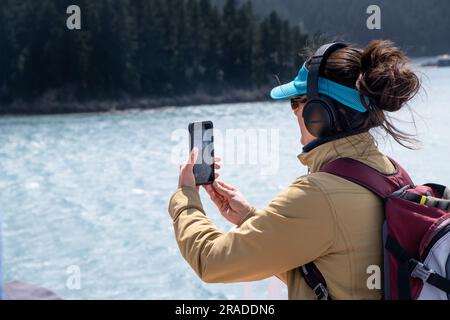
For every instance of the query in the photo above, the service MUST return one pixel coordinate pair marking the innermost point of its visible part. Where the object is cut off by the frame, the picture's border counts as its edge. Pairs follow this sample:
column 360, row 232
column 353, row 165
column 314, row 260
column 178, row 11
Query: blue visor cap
column 345, row 95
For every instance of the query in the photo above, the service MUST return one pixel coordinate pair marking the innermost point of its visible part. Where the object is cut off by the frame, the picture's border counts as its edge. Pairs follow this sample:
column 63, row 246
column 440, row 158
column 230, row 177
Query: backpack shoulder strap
column 381, row 184
column 315, row 280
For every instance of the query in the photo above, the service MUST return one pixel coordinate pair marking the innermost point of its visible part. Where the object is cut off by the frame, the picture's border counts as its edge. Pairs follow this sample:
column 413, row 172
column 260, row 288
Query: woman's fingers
column 209, row 189
column 217, row 201
column 192, row 158
column 187, row 178
column 217, row 166
column 225, row 192
column 220, row 201
column 215, row 197
column 226, row 186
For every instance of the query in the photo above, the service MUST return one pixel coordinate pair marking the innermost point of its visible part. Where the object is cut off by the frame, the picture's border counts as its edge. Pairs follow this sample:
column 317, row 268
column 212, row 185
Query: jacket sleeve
column 295, row 228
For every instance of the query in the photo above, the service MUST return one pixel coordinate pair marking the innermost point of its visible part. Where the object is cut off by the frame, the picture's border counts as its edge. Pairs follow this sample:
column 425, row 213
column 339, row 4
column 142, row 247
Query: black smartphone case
column 203, row 172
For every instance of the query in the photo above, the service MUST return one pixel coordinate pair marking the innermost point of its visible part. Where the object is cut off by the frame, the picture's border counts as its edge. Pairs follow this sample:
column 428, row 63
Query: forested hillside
column 421, row 27
column 139, row 48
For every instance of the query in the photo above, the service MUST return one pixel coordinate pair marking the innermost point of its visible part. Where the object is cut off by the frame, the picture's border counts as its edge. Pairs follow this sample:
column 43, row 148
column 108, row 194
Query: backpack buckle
column 321, row 292
column 421, row 271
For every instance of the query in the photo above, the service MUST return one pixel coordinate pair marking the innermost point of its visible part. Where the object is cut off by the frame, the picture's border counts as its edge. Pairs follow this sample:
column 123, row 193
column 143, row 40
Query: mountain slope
column 420, row 27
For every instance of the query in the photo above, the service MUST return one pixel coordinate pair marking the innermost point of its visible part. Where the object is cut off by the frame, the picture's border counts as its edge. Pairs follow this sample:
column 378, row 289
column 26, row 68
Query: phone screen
column 201, row 137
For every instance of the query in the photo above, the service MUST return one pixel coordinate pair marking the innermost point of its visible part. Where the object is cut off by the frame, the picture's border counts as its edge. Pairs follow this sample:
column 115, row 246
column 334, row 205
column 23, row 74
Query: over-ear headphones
column 319, row 112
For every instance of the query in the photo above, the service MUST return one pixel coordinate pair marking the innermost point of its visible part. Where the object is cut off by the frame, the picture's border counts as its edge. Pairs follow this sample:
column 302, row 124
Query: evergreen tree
column 213, row 71
column 230, row 43
column 245, row 39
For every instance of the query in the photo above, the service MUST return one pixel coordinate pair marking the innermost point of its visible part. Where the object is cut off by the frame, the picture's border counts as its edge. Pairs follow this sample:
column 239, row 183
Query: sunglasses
column 295, row 102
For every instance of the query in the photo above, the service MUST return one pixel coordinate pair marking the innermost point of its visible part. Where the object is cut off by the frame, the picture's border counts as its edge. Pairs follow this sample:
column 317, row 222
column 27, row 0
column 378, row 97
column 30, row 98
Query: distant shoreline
column 100, row 106
column 51, row 106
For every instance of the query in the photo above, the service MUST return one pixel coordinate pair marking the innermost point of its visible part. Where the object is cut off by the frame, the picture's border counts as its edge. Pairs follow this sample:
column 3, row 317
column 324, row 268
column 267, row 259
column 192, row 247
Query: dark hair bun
column 386, row 77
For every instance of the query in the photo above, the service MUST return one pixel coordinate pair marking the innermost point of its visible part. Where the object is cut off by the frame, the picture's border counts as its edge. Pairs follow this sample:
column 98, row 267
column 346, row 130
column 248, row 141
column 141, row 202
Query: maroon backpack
column 416, row 233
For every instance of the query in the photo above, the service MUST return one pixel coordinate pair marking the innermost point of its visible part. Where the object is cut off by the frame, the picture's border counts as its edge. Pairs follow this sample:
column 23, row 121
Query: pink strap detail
column 364, row 175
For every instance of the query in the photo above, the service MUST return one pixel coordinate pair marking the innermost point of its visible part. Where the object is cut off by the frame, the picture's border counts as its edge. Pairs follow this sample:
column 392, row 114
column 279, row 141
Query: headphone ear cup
column 333, row 114
column 320, row 117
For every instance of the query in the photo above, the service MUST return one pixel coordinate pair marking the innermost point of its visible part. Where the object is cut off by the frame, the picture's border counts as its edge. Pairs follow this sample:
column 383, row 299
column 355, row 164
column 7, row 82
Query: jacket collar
column 359, row 147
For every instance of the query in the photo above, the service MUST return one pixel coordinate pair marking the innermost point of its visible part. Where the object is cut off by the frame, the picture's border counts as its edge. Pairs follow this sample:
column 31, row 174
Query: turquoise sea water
column 91, row 191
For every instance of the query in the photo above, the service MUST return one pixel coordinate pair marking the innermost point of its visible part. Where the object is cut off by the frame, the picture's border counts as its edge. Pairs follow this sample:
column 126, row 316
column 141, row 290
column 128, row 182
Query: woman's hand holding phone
column 187, row 178
column 230, row 201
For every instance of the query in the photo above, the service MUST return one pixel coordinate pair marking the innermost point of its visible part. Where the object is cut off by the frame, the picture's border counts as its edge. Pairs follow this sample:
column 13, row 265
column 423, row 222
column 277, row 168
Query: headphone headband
column 316, row 65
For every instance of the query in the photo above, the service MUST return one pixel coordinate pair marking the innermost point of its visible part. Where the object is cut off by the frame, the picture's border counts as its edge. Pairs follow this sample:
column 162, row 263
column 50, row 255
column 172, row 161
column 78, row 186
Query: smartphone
column 201, row 136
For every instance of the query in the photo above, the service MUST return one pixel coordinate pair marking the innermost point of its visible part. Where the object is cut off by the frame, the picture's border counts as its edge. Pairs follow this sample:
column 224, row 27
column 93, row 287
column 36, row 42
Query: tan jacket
column 319, row 217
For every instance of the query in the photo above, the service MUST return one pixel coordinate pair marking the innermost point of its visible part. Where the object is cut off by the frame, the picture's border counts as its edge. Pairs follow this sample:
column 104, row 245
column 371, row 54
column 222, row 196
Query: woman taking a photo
column 319, row 218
